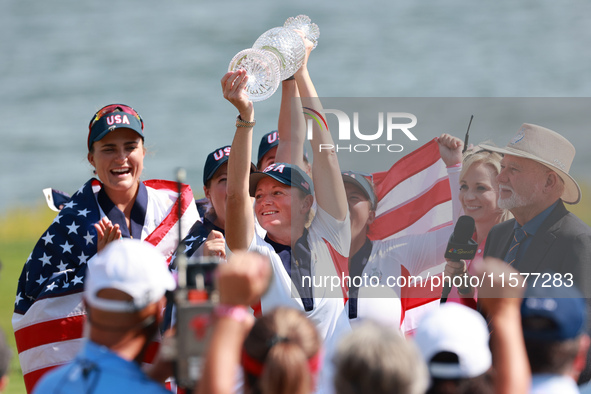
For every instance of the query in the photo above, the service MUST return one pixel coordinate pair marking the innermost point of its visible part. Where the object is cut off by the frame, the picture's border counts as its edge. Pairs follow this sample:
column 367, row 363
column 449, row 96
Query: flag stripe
column 51, row 331
column 401, row 218
column 412, row 187
column 431, row 221
column 32, row 377
column 409, row 165
column 151, row 352
column 164, row 227
column 48, row 355
column 341, row 266
column 413, row 197
column 48, row 309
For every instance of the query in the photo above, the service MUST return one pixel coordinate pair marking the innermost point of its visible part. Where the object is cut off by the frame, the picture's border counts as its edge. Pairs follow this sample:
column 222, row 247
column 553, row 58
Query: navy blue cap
column 284, row 173
column 269, row 141
column 564, row 307
column 215, row 160
column 359, row 180
column 112, row 117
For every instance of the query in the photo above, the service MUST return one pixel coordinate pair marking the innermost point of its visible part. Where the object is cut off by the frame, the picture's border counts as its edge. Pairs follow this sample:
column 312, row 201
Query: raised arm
column 326, row 174
column 502, row 304
column 450, row 149
column 239, row 213
column 291, row 126
column 241, row 282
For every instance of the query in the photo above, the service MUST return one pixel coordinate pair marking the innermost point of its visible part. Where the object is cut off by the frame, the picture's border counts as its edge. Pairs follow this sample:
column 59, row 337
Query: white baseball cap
column 133, row 267
column 459, row 330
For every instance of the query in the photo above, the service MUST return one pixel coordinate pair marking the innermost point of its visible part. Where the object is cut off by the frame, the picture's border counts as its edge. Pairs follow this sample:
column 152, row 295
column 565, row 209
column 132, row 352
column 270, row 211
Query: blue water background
column 61, row 60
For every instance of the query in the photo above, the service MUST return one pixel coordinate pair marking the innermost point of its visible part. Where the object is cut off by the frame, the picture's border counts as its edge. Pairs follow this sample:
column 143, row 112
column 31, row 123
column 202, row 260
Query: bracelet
column 244, row 123
column 237, row 313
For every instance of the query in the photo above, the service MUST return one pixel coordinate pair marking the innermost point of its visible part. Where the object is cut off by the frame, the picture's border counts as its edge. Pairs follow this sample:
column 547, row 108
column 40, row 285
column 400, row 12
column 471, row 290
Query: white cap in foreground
column 133, row 267
column 459, row 330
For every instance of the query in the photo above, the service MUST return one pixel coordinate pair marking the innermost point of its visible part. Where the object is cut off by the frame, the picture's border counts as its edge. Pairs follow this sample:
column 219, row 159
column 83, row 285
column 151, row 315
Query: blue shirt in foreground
column 97, row 370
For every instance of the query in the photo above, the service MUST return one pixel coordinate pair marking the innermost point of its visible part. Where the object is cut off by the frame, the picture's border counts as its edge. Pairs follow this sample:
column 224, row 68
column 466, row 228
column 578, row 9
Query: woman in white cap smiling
column 114, row 205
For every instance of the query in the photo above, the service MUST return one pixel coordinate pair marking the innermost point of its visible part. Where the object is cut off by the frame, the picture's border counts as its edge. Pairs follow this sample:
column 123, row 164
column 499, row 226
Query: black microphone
column 461, row 246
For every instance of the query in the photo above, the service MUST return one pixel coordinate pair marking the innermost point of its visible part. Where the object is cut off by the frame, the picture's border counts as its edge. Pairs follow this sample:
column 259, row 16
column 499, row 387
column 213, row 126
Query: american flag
column 413, row 197
column 194, row 239
column 48, row 317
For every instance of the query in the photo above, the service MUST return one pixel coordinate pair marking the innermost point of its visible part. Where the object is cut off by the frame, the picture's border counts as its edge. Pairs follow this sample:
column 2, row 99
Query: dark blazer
column 562, row 244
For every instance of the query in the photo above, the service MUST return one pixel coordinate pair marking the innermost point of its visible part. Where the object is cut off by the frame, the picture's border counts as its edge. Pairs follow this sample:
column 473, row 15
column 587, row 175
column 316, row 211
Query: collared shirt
column 297, row 264
column 137, row 216
column 328, row 244
column 531, row 228
column 96, row 369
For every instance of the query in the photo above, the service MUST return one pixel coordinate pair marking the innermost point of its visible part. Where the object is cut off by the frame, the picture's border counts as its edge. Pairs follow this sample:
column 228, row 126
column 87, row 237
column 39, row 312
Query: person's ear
column 552, row 179
column 90, row 158
column 207, row 194
column 307, row 203
column 372, row 217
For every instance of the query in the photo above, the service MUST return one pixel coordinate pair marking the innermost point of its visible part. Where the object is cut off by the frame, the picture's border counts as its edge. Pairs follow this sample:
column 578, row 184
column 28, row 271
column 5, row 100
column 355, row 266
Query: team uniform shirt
column 49, row 316
column 321, row 253
column 96, row 369
column 387, row 263
column 328, row 242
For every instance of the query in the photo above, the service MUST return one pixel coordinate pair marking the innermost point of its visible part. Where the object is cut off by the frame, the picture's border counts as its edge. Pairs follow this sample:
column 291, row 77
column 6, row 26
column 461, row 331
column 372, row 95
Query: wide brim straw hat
column 549, row 148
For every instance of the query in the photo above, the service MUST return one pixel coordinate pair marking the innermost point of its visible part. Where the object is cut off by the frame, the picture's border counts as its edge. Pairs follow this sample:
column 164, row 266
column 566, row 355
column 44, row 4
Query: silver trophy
column 276, row 55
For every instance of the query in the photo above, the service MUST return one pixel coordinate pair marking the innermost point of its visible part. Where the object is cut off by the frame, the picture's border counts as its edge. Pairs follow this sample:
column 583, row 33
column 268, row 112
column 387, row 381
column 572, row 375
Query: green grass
column 19, row 231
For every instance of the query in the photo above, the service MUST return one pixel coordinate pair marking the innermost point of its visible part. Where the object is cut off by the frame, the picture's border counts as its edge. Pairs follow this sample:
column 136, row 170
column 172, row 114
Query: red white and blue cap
column 112, row 117
column 215, row 160
column 284, row 173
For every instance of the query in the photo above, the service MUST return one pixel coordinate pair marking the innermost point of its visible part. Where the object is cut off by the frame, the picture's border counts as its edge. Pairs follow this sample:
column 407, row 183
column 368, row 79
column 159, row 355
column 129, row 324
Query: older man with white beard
column 544, row 239
column 534, row 184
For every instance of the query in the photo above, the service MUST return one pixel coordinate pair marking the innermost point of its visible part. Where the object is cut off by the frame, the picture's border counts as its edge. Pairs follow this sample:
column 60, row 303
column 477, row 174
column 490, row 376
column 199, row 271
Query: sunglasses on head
column 113, row 108
column 479, row 150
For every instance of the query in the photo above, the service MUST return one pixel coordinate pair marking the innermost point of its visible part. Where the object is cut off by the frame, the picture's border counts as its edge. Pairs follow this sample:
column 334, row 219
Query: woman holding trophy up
column 284, row 195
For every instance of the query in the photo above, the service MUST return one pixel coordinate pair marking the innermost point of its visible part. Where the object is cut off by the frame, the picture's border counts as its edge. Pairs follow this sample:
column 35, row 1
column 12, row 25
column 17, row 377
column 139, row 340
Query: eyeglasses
column 114, row 107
